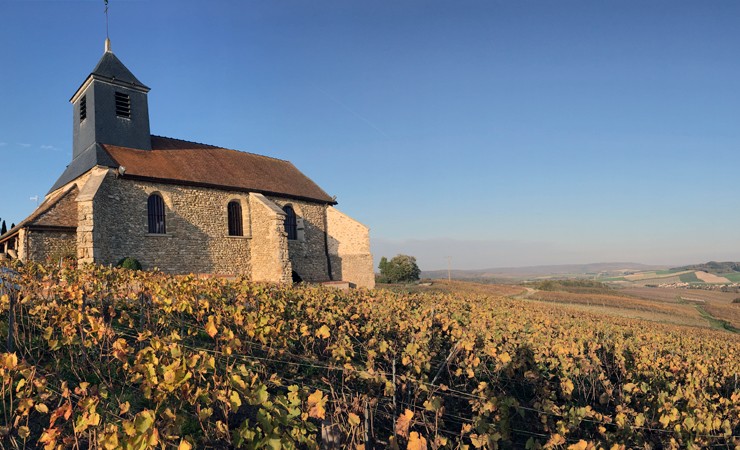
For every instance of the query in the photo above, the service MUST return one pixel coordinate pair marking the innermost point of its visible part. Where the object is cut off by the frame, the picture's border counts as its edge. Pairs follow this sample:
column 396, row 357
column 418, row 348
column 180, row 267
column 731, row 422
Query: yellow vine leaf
column 323, row 332
column 124, row 407
column 184, row 445
column 211, row 327
column 10, row 360
column 505, row 357
column 353, row 419
column 567, row 386
column 42, row 408
column 416, row 442
column 110, row 438
column 316, row 404
column 580, row 445
column 404, row 422
column 24, row 432
column 555, row 440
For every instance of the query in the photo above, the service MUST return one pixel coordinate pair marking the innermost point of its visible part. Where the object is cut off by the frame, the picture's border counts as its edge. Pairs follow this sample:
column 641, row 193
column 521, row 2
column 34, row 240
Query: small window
column 123, row 105
column 235, row 219
column 155, row 208
column 291, row 224
column 83, row 108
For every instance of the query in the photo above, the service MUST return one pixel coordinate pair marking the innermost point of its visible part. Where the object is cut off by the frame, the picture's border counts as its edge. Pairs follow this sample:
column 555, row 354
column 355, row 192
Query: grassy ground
column 733, row 276
column 689, row 277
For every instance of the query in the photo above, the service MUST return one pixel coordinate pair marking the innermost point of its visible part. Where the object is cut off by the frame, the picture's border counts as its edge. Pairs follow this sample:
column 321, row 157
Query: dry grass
column 710, row 277
column 644, row 276
column 727, row 312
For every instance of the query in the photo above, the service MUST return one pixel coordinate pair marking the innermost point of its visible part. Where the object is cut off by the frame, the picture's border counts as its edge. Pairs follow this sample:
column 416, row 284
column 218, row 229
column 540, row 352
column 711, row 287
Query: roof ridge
column 216, row 147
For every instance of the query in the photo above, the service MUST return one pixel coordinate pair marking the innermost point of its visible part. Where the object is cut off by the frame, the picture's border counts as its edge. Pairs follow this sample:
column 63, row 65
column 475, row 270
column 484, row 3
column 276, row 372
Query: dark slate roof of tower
column 112, row 68
column 95, row 155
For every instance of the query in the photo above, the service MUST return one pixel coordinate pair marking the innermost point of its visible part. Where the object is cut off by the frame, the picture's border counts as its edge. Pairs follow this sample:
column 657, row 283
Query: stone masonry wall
column 88, row 185
column 50, row 245
column 270, row 260
column 308, row 252
column 196, row 239
column 349, row 248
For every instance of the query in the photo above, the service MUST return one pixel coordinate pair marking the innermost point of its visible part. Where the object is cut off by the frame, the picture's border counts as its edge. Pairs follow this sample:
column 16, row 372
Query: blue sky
column 499, row 133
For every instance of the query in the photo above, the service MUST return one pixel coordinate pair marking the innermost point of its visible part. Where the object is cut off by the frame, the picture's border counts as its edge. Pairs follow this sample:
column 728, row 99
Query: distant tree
column 383, row 266
column 400, row 269
column 4, row 228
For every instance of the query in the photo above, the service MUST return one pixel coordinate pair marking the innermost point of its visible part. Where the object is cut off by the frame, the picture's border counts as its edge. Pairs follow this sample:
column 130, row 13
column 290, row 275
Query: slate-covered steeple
column 110, row 107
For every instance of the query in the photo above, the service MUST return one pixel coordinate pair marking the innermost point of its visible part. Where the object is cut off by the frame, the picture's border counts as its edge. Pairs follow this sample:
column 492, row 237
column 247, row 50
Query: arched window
column 291, row 225
column 155, row 208
column 235, row 219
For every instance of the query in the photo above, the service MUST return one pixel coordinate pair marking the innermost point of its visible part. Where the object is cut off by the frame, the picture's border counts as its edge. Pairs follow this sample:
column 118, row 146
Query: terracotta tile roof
column 182, row 162
column 57, row 211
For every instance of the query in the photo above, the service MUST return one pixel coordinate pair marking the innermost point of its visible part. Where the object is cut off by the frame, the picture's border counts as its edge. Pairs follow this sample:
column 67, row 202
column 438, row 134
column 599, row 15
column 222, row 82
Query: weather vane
column 107, row 36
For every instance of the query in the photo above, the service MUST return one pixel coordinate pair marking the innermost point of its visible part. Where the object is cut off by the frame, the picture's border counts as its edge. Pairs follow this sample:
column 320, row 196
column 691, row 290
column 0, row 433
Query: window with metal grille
column 155, row 207
column 83, row 108
column 235, row 219
column 123, row 105
column 291, row 224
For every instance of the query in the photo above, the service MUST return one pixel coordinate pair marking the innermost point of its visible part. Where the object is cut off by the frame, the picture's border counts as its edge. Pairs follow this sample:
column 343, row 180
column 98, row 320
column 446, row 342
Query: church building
column 181, row 206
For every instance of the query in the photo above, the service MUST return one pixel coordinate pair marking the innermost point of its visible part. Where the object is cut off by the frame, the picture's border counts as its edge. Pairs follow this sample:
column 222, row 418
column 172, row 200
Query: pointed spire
column 107, row 46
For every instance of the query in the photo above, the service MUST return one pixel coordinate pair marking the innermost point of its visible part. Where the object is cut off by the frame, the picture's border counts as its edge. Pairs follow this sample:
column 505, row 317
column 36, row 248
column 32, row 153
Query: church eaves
column 174, row 161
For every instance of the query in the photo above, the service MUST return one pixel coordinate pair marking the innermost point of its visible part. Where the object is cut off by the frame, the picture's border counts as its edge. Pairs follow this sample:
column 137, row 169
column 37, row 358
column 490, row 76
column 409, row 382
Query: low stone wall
column 50, row 246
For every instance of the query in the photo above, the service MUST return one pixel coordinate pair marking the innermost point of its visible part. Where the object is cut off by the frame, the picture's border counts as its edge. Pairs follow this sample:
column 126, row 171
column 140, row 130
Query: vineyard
column 112, row 358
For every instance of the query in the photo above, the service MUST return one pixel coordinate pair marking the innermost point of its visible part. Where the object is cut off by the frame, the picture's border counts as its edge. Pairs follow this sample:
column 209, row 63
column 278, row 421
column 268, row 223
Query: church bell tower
column 110, row 107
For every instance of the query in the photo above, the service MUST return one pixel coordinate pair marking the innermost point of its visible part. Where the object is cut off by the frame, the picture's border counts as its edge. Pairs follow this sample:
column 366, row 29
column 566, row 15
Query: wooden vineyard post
column 394, row 392
column 11, row 322
column 367, row 425
column 8, row 286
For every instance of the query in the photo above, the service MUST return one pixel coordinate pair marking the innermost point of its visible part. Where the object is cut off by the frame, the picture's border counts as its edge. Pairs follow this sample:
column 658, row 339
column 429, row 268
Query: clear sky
column 499, row 133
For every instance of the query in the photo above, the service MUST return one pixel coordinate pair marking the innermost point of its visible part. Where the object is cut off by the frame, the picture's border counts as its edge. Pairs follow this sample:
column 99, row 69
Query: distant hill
column 712, row 267
column 563, row 270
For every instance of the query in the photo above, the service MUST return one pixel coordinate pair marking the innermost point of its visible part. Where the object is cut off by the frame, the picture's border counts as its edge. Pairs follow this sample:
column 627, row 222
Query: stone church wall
column 49, row 246
column 308, row 252
column 196, row 239
column 349, row 248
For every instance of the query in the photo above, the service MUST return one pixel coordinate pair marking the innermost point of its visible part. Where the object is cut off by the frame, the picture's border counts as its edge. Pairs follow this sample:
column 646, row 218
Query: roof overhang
column 224, row 188
column 112, row 81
